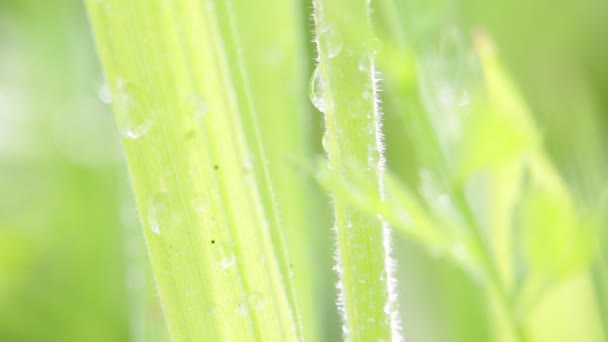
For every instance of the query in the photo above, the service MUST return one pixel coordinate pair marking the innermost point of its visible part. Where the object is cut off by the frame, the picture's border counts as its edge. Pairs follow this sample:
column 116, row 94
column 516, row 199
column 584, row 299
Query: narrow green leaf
column 215, row 248
column 268, row 50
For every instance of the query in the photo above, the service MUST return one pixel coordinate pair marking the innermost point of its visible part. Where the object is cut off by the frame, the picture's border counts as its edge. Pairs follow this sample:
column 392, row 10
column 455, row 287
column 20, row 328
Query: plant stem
column 345, row 88
column 276, row 120
column 214, row 252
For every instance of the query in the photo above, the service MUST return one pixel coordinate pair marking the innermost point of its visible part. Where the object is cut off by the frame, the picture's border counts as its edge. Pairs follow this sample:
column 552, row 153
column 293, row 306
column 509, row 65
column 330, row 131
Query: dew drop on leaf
column 196, row 107
column 325, row 142
column 224, row 255
column 158, row 212
column 199, row 204
column 104, row 94
column 345, row 330
column 133, row 122
column 331, row 41
column 390, row 307
column 242, row 309
column 317, row 90
column 256, row 300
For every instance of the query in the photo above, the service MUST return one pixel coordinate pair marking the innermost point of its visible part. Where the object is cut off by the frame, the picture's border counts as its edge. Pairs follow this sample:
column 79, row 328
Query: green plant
column 198, row 169
column 209, row 101
column 489, row 199
column 345, row 88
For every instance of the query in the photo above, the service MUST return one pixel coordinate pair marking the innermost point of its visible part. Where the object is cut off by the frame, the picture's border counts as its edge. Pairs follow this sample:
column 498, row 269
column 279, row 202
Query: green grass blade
column 344, row 87
column 267, row 50
column 213, row 248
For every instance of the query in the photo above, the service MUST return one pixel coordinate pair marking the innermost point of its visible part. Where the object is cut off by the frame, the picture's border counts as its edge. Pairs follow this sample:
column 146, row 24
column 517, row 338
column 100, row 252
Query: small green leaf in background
column 557, row 240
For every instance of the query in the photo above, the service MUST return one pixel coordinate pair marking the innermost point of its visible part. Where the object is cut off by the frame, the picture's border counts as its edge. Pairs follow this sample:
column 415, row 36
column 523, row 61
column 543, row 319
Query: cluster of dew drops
column 134, row 123
column 132, row 126
column 331, row 45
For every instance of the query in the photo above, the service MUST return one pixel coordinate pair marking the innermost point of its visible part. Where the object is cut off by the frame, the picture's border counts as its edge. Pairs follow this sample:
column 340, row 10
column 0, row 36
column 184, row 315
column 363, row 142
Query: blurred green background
column 72, row 260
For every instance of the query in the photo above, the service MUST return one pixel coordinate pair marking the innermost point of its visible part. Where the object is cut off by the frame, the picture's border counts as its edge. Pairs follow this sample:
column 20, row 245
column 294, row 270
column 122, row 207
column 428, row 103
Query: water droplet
column 256, row 300
column 133, row 122
column 345, row 329
column 325, row 142
column 224, row 255
column 390, row 307
column 104, row 94
column 158, row 212
column 242, row 309
column 199, row 204
column 317, row 90
column 196, row 106
column 331, row 41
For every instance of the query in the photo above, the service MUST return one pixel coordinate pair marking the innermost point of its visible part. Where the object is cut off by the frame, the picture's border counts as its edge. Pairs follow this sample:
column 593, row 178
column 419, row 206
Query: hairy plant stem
column 345, row 88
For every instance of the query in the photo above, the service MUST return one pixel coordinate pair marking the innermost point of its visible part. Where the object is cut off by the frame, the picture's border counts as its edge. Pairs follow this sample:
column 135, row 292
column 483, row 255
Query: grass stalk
column 214, row 242
column 345, row 88
column 270, row 54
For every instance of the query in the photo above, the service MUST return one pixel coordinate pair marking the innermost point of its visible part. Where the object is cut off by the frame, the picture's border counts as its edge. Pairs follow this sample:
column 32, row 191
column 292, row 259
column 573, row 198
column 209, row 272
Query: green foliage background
column 72, row 261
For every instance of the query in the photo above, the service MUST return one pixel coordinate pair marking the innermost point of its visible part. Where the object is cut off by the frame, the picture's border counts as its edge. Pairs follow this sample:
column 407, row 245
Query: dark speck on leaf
column 212, row 241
